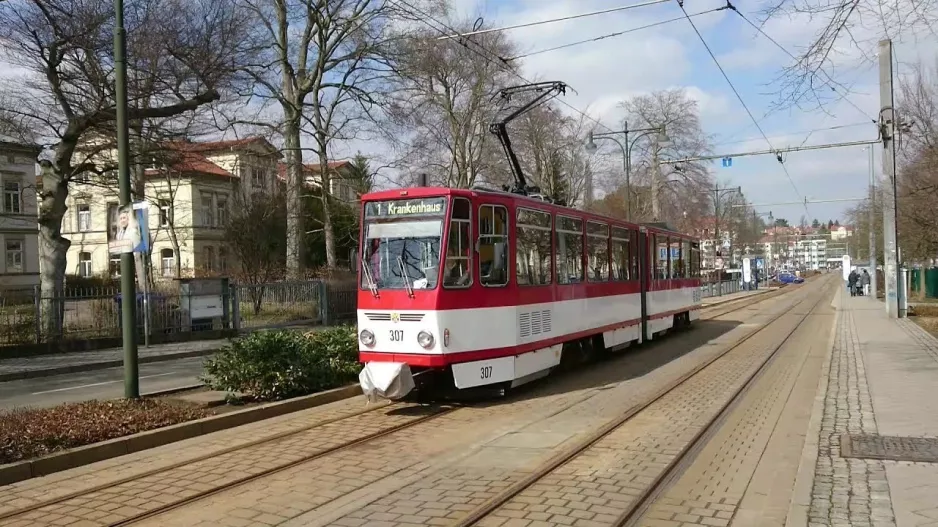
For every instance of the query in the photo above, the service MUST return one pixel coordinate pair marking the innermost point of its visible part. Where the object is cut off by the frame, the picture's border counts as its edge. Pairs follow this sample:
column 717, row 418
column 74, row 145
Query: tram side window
column 597, row 239
column 677, row 260
column 633, row 254
column 686, row 259
column 493, row 245
column 622, row 255
column 695, row 262
column 661, row 255
column 569, row 255
column 532, row 247
column 457, row 272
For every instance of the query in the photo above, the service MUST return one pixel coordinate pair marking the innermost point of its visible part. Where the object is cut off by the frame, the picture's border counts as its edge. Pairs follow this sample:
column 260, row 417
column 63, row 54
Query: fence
column 95, row 313
column 725, row 287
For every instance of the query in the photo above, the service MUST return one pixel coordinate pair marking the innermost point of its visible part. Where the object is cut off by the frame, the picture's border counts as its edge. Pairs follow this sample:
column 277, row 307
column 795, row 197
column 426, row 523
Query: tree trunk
column 174, row 241
column 53, row 247
column 294, row 195
column 327, row 230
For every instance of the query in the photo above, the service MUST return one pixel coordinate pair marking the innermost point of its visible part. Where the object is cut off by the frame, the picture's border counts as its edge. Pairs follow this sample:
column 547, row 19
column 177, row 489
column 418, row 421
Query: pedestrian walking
column 852, row 282
column 865, row 282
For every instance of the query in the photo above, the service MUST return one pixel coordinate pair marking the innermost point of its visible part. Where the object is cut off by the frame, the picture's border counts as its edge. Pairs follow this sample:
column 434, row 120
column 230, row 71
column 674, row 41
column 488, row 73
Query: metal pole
column 627, row 159
column 872, row 229
column 888, row 127
column 128, row 289
column 655, row 207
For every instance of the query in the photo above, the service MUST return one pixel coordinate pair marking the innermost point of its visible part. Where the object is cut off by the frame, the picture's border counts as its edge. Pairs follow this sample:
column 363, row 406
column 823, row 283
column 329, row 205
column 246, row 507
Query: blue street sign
column 727, row 161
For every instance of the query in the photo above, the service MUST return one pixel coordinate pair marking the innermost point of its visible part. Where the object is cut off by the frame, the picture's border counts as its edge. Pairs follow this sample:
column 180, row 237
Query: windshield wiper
column 372, row 286
column 407, row 284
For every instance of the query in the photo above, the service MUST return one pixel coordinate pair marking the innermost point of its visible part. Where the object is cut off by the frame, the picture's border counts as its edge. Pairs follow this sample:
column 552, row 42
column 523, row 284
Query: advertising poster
column 128, row 232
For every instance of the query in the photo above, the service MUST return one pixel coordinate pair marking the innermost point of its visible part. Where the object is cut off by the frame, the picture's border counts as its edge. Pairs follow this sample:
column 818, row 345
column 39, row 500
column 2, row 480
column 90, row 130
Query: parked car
column 790, row 278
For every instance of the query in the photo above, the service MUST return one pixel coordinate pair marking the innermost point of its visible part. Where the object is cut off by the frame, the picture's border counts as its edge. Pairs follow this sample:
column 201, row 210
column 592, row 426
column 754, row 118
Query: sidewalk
column 875, row 413
column 57, row 364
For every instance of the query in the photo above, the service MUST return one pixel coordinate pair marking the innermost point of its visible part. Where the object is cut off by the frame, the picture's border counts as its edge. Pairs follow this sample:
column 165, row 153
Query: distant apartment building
column 19, row 236
column 191, row 189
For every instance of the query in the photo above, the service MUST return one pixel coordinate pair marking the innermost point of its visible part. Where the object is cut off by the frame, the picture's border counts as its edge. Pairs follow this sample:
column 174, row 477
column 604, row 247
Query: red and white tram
column 495, row 288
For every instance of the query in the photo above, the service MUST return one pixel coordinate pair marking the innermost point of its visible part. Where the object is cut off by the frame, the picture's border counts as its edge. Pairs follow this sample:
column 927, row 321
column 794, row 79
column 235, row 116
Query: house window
column 221, row 207
column 84, row 264
column 258, row 177
column 114, row 266
column 223, row 259
column 209, row 264
column 84, row 217
column 166, row 213
column 12, row 198
column 208, row 215
column 167, row 262
column 14, row 252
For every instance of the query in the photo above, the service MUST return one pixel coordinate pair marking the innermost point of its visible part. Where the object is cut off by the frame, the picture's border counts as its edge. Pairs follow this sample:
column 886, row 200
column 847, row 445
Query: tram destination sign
column 402, row 208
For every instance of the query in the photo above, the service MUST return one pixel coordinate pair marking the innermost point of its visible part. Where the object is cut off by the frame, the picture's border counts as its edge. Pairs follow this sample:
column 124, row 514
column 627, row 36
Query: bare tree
column 256, row 233
column 443, row 102
column 855, row 25
column 679, row 188
column 324, row 69
column 67, row 93
column 550, row 148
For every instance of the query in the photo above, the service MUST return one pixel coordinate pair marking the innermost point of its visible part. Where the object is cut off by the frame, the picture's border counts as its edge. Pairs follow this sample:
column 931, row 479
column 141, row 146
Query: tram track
column 274, row 441
column 636, row 506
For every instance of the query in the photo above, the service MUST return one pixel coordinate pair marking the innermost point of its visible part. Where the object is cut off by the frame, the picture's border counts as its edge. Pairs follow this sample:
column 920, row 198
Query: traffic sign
column 727, row 162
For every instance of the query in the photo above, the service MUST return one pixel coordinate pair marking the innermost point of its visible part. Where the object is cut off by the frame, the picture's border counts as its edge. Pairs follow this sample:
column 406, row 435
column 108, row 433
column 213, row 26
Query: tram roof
column 430, row 192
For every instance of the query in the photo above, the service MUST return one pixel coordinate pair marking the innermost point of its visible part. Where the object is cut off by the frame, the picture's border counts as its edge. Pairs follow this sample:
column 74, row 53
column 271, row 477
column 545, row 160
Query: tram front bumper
column 389, row 380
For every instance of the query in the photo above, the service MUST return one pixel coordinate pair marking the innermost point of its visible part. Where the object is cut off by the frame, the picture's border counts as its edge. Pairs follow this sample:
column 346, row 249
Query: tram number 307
column 397, row 335
column 486, row 372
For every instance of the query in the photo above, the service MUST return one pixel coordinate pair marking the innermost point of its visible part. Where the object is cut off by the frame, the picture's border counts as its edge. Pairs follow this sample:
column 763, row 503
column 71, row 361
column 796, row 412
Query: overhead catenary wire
column 790, row 134
column 680, row 4
column 830, row 81
column 487, row 55
column 612, row 35
column 457, row 34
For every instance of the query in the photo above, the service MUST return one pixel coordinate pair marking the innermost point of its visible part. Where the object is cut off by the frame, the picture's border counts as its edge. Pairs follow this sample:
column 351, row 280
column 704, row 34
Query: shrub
column 26, row 433
column 279, row 364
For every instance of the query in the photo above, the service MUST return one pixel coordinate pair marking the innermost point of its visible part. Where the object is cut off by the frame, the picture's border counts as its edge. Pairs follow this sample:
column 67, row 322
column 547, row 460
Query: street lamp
column 626, row 147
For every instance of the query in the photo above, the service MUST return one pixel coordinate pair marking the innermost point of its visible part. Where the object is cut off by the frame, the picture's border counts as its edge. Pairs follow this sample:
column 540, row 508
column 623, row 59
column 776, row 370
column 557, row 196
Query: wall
column 18, row 165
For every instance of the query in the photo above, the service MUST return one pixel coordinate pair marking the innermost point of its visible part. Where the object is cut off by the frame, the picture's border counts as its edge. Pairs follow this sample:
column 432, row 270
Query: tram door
column 644, row 278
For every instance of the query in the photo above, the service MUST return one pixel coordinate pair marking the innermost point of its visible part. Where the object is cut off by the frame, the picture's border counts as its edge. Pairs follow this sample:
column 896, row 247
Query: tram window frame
column 661, row 242
column 597, row 236
column 494, row 236
column 568, row 230
column 677, row 267
column 465, row 246
column 626, row 242
column 545, row 228
column 686, row 258
column 695, row 254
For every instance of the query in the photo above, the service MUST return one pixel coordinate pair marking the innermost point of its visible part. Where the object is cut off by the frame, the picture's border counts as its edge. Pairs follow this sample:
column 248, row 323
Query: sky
column 607, row 72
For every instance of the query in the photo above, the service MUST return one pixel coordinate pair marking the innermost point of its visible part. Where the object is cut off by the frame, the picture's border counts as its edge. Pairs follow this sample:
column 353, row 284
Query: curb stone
column 85, row 455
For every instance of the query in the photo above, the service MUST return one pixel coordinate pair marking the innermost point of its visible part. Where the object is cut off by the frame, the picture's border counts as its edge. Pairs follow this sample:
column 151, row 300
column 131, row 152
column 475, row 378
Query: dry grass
column 27, row 433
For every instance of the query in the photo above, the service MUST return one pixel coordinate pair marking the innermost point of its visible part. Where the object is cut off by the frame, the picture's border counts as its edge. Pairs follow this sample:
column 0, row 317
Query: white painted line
column 100, row 384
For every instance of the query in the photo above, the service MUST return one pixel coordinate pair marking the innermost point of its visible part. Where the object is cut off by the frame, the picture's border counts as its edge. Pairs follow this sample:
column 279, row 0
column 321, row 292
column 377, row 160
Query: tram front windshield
column 401, row 251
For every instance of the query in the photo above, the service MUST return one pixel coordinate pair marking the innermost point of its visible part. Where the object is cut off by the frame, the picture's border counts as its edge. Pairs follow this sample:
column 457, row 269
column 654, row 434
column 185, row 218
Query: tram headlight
column 425, row 339
column 367, row 337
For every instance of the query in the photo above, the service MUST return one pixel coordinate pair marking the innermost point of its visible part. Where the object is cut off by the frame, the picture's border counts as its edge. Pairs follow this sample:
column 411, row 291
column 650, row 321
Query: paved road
column 98, row 384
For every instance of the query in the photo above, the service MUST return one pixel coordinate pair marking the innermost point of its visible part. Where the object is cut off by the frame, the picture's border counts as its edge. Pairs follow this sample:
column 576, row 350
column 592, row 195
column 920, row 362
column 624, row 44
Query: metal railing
column 725, row 287
column 33, row 317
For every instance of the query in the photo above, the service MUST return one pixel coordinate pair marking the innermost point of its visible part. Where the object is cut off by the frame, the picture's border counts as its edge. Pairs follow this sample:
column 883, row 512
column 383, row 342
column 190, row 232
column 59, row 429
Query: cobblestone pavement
column 745, row 473
column 84, row 358
column 600, row 484
column 38, row 490
column 852, row 492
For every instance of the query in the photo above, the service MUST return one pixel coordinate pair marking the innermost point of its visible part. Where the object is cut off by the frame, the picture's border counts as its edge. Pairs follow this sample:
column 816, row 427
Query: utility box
column 205, row 303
